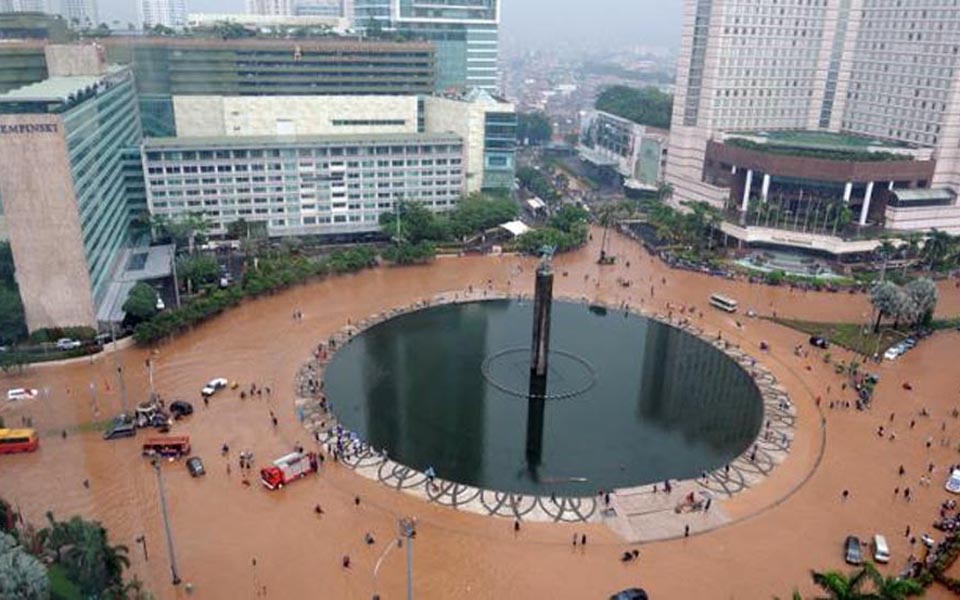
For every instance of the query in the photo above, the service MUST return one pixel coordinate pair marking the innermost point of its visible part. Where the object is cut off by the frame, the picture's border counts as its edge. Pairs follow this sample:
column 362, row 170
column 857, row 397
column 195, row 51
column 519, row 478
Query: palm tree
column 83, row 550
column 842, row 587
column 924, row 294
column 608, row 214
column 911, row 249
column 885, row 250
column 895, row 588
column 937, row 248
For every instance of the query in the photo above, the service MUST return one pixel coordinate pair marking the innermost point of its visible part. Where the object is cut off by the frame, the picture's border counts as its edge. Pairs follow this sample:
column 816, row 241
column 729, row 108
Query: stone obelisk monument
column 542, row 304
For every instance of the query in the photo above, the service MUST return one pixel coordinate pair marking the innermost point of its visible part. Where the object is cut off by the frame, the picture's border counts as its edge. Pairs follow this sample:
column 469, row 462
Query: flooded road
column 241, row 541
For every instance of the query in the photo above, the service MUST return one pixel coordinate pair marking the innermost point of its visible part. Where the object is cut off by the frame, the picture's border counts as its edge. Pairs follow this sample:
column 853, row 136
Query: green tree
column 534, row 128
column 647, row 106
column 885, row 298
column 83, row 550
column 141, row 304
column 925, row 295
column 22, row 576
column 569, row 216
column 839, row 586
column 477, row 213
column 894, row 588
column 13, row 323
column 885, row 250
column 417, row 223
column 937, row 248
column 198, row 270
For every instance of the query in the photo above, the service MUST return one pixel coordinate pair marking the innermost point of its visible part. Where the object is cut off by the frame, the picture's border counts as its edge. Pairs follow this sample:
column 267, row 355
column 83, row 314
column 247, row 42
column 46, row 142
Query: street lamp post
column 142, row 540
column 408, row 530
column 166, row 523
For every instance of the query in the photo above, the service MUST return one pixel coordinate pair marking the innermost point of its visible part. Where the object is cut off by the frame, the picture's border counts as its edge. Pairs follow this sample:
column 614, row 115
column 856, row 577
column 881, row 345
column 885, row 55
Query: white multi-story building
column 858, row 78
column 168, row 13
column 8, row 6
column 276, row 8
column 78, row 13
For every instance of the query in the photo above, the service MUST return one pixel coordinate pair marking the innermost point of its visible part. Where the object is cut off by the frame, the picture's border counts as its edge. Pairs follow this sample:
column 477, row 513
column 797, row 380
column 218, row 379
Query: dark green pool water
column 630, row 401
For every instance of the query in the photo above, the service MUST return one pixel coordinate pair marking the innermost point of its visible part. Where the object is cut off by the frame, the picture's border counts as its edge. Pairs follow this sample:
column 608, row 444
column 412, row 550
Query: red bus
column 171, row 446
column 18, row 440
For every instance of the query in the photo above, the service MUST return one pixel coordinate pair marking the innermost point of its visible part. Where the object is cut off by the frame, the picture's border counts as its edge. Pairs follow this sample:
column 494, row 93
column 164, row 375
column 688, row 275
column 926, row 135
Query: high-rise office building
column 321, row 8
column 168, row 13
column 9, row 6
column 466, row 35
column 78, row 13
column 820, row 107
column 279, row 8
column 66, row 169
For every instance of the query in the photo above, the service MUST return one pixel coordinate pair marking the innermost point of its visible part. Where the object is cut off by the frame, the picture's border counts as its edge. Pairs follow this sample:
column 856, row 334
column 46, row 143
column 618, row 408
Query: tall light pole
column 166, row 523
column 408, row 530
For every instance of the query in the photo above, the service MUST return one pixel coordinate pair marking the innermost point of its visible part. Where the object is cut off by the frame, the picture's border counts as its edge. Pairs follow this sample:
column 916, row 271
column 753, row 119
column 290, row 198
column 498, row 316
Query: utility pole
column 150, row 377
column 166, row 523
column 408, row 530
column 123, row 386
column 142, row 540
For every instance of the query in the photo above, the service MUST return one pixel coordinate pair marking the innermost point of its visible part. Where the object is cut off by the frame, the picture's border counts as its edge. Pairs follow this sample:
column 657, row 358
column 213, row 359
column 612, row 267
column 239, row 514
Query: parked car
column 819, row 341
column 123, row 426
column 67, row 344
column 851, row 551
column 213, row 386
column 195, row 466
column 953, row 482
column 891, row 354
column 631, row 594
column 928, row 540
column 21, row 394
column 180, row 408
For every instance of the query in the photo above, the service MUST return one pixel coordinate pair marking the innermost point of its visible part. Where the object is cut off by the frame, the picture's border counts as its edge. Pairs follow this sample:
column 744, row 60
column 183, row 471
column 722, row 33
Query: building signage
column 26, row 128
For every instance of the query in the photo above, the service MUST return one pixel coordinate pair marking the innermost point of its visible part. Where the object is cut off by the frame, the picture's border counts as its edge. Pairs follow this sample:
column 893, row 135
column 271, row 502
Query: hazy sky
column 646, row 22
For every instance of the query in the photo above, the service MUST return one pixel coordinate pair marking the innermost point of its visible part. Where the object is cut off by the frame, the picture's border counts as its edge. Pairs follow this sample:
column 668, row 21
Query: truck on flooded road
column 288, row 468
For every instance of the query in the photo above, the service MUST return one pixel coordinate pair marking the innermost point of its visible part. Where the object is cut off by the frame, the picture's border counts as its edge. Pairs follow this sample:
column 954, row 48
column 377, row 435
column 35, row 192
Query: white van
column 21, row 394
column 881, row 551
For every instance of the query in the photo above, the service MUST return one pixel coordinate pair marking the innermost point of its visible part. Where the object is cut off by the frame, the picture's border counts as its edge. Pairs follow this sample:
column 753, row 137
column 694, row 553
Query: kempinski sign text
column 28, row 128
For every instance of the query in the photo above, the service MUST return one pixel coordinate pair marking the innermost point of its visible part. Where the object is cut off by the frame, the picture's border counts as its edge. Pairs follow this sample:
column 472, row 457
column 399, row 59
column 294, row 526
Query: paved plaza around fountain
column 759, row 541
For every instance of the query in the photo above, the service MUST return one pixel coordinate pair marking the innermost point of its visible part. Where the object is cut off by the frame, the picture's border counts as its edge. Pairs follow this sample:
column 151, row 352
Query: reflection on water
column 664, row 405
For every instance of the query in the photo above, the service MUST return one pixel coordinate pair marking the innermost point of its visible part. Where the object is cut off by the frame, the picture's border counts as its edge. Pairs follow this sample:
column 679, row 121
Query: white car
column 21, row 394
column 891, row 354
column 67, row 344
column 213, row 386
column 953, row 483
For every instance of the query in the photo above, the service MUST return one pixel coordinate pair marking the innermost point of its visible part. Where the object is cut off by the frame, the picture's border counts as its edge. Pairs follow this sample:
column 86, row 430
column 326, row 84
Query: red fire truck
column 288, row 468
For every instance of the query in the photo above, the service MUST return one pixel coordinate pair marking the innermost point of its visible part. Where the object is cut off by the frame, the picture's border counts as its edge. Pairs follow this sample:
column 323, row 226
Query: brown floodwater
column 239, row 541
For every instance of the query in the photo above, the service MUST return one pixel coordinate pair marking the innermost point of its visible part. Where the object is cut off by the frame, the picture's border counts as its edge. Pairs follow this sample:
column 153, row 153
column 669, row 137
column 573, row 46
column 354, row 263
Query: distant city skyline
column 538, row 22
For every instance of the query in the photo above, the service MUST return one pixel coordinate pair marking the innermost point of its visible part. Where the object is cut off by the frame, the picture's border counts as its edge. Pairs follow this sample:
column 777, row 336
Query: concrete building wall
column 443, row 115
column 199, row 115
column 40, row 208
column 295, row 115
column 72, row 60
column 948, row 151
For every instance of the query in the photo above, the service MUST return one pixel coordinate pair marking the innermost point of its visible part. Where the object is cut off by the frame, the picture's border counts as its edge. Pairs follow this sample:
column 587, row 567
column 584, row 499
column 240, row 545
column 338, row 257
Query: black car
column 851, row 551
column 180, row 408
column 195, row 466
column 121, row 428
column 819, row 341
column 630, row 594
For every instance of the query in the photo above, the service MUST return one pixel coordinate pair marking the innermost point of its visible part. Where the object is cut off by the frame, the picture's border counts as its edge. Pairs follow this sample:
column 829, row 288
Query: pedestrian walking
column 516, row 525
column 574, row 540
column 686, row 531
column 845, row 495
column 583, row 540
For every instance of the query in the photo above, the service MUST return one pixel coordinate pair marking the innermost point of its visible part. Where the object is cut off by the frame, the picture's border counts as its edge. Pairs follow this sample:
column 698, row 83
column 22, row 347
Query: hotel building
column 826, row 109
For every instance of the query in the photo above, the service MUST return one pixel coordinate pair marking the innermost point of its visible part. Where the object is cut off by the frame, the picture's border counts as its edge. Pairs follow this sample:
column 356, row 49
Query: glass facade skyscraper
column 466, row 35
column 69, row 181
